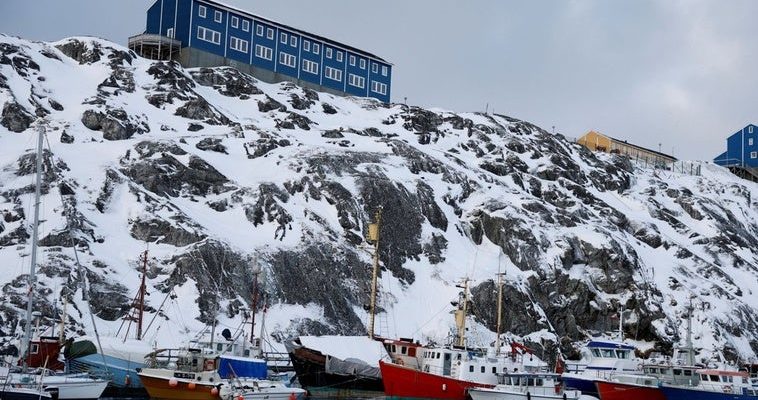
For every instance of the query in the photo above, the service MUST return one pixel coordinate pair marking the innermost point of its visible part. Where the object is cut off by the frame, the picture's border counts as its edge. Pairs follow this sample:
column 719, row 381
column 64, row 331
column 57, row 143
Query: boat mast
column 141, row 297
column 621, row 323
column 35, row 236
column 499, row 309
column 460, row 313
column 373, row 236
column 254, row 305
column 690, row 349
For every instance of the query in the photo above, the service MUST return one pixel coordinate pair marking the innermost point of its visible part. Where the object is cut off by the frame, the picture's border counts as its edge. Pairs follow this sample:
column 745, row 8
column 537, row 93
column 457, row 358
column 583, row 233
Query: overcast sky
column 680, row 73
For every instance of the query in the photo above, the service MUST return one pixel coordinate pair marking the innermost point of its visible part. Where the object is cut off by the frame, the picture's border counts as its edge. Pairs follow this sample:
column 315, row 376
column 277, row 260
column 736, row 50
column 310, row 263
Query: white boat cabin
column 608, row 356
column 737, row 382
column 475, row 364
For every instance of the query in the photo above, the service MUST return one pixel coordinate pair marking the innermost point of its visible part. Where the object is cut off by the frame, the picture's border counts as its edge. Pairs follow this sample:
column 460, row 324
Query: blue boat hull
column 681, row 393
column 122, row 373
column 586, row 385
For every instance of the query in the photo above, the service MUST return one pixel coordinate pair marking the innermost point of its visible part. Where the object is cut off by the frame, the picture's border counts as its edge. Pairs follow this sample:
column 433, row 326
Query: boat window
column 664, row 371
column 470, row 368
column 494, row 370
column 653, row 370
column 403, row 350
column 247, row 353
column 596, row 352
column 530, row 381
column 687, row 372
column 677, row 372
column 219, row 347
column 505, row 369
column 459, row 356
column 608, row 353
column 438, row 355
column 714, row 378
column 394, row 349
column 540, row 382
column 482, row 369
column 34, row 349
column 622, row 354
column 648, row 382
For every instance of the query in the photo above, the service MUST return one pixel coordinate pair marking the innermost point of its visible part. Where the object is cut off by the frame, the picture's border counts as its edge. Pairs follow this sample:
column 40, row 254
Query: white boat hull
column 268, row 390
column 504, row 394
column 70, row 390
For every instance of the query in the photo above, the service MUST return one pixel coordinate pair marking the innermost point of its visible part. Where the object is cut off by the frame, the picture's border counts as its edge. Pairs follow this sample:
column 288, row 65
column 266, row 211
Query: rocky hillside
column 217, row 173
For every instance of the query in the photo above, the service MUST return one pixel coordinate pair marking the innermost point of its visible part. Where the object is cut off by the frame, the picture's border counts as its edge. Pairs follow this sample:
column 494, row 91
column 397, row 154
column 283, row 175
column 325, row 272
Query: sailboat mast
column 499, row 310
column 373, row 235
column 141, row 301
column 35, row 237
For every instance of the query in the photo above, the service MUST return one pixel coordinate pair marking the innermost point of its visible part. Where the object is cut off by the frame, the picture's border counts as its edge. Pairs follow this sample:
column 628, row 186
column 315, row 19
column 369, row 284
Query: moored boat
column 526, row 386
column 607, row 358
column 715, row 384
column 194, row 376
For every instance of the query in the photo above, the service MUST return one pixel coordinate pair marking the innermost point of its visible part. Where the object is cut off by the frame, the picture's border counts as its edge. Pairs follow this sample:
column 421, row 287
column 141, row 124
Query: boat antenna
column 141, row 296
column 35, row 237
column 373, row 236
column 499, row 309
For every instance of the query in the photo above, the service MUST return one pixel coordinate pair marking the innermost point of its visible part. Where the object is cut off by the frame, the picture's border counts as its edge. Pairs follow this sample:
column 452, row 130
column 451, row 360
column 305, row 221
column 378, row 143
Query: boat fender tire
column 528, row 396
column 564, row 396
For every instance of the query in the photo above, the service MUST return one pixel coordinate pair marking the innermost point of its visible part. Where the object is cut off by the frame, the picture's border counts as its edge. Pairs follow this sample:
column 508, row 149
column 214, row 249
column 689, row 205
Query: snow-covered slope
column 215, row 172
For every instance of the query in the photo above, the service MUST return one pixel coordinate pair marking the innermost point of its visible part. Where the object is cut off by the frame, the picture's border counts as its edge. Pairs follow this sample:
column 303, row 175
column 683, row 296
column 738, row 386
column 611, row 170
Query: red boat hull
column 404, row 382
column 625, row 391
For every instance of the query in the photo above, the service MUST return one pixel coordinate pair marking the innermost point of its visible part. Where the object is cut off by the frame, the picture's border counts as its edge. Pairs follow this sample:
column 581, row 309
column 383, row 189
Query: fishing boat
column 715, row 384
column 193, row 375
column 679, row 370
column 526, row 386
column 448, row 372
column 265, row 390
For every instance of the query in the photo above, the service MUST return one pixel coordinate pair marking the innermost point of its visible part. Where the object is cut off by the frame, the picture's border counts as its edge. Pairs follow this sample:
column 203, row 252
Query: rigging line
column 429, row 320
column 82, row 276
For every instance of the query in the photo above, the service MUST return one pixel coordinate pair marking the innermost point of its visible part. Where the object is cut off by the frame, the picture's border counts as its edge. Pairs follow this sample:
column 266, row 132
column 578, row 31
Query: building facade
column 741, row 149
column 597, row 141
column 208, row 33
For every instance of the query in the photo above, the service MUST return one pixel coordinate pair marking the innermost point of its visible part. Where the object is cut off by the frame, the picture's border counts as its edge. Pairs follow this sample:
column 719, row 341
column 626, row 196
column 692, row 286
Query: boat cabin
column 673, row 374
column 717, row 380
column 477, row 365
column 606, row 355
column 404, row 351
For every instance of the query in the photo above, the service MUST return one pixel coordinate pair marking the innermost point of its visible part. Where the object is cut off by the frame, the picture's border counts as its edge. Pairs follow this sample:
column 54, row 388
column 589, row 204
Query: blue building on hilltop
column 741, row 149
column 207, row 33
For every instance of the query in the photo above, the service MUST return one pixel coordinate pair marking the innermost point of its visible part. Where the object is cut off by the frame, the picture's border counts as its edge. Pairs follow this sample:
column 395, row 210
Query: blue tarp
column 242, row 367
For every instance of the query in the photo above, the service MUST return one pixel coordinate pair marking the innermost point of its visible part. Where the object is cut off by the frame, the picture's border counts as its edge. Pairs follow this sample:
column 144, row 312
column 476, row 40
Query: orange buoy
column 214, row 391
column 173, row 382
column 292, row 396
column 191, row 386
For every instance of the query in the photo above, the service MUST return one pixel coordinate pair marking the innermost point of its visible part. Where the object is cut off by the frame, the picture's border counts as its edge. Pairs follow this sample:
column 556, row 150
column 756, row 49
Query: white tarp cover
column 347, row 347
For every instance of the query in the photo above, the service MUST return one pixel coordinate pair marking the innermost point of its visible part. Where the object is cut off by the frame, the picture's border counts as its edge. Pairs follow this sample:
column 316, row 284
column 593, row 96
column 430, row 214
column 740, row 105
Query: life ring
column 728, row 389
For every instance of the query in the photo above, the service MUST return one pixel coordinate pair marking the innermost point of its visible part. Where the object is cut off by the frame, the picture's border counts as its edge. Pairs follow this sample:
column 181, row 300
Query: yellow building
column 596, row 141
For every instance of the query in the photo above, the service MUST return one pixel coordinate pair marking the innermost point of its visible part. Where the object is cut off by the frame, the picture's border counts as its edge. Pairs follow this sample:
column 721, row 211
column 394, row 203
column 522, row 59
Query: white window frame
column 287, row 59
column 170, row 33
column 306, row 45
column 264, row 52
column 235, row 21
column 218, row 16
column 378, row 87
column 310, row 66
column 384, row 70
column 259, row 30
column 293, row 41
column 215, row 36
column 201, row 11
column 238, row 44
column 339, row 56
column 328, row 53
column 374, row 67
column 362, row 63
column 316, row 48
column 245, row 25
column 357, row 81
column 352, row 60
column 270, row 33
column 333, row 73
column 750, row 141
column 283, row 37
column 750, row 129
column 754, row 154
